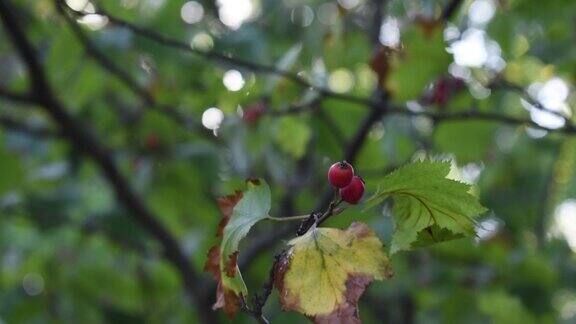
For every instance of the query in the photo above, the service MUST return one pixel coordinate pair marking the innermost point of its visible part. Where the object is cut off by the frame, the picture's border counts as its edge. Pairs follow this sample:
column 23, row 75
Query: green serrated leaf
column 428, row 207
column 12, row 171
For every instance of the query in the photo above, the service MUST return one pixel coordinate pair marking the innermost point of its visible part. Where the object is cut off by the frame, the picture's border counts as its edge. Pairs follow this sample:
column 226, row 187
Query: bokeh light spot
column 481, row 11
column 233, row 13
column 192, row 12
column 390, row 32
column 565, row 222
column 212, row 118
column 202, row 41
column 233, row 80
column 341, row 81
column 33, row 284
column 302, row 16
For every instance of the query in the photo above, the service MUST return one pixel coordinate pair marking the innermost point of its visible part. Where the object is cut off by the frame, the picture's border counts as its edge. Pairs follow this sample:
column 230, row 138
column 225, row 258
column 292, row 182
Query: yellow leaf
column 326, row 270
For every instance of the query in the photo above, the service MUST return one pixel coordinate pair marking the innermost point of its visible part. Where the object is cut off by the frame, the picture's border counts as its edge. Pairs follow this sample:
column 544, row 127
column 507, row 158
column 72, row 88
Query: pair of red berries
column 341, row 176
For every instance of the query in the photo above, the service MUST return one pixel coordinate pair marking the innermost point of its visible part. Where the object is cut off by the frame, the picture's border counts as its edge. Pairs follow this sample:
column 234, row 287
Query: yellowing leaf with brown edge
column 326, row 270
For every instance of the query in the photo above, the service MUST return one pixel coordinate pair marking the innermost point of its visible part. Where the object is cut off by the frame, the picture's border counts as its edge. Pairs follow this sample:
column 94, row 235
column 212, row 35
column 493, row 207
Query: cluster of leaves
column 323, row 273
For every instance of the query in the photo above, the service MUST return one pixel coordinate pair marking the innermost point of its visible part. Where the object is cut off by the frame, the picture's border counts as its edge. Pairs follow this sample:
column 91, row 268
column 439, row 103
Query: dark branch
column 267, row 69
column 21, row 127
column 478, row 115
column 501, row 84
column 377, row 18
column 222, row 58
column 450, row 9
column 259, row 300
column 102, row 59
column 16, row 97
column 89, row 145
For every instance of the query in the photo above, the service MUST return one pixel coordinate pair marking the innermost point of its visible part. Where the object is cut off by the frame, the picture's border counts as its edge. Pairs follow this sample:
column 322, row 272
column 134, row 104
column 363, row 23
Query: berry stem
column 288, row 218
column 338, row 202
column 330, row 211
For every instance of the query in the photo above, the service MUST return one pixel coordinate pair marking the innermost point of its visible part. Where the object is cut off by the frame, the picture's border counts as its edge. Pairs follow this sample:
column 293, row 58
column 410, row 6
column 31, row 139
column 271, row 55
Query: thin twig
column 287, row 218
column 259, row 300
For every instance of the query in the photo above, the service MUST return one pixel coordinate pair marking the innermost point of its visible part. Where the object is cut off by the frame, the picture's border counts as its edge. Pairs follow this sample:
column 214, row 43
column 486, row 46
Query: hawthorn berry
column 354, row 191
column 444, row 88
column 254, row 112
column 340, row 174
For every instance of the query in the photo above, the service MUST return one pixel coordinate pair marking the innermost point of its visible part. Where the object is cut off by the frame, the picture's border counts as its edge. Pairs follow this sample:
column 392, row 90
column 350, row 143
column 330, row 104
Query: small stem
column 331, row 211
column 288, row 218
column 259, row 300
column 338, row 202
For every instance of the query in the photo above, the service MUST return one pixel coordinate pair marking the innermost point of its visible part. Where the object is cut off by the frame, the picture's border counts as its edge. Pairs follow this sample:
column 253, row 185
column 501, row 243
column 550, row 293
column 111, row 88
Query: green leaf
column 12, row 171
column 424, row 58
column 428, row 207
column 240, row 212
column 467, row 148
column 503, row 308
column 284, row 64
column 319, row 78
column 253, row 207
column 293, row 135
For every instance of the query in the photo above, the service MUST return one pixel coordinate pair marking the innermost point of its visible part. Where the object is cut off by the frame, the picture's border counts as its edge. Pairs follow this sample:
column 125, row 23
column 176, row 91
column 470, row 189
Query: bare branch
column 222, row 58
column 450, row 10
column 259, row 300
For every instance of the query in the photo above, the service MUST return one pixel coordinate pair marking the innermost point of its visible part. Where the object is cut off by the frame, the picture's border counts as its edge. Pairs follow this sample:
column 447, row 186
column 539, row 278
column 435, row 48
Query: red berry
column 340, row 174
column 441, row 92
column 254, row 112
column 152, row 142
column 354, row 191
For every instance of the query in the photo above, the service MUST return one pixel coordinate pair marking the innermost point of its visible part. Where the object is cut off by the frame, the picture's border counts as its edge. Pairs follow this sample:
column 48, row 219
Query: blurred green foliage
column 69, row 254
